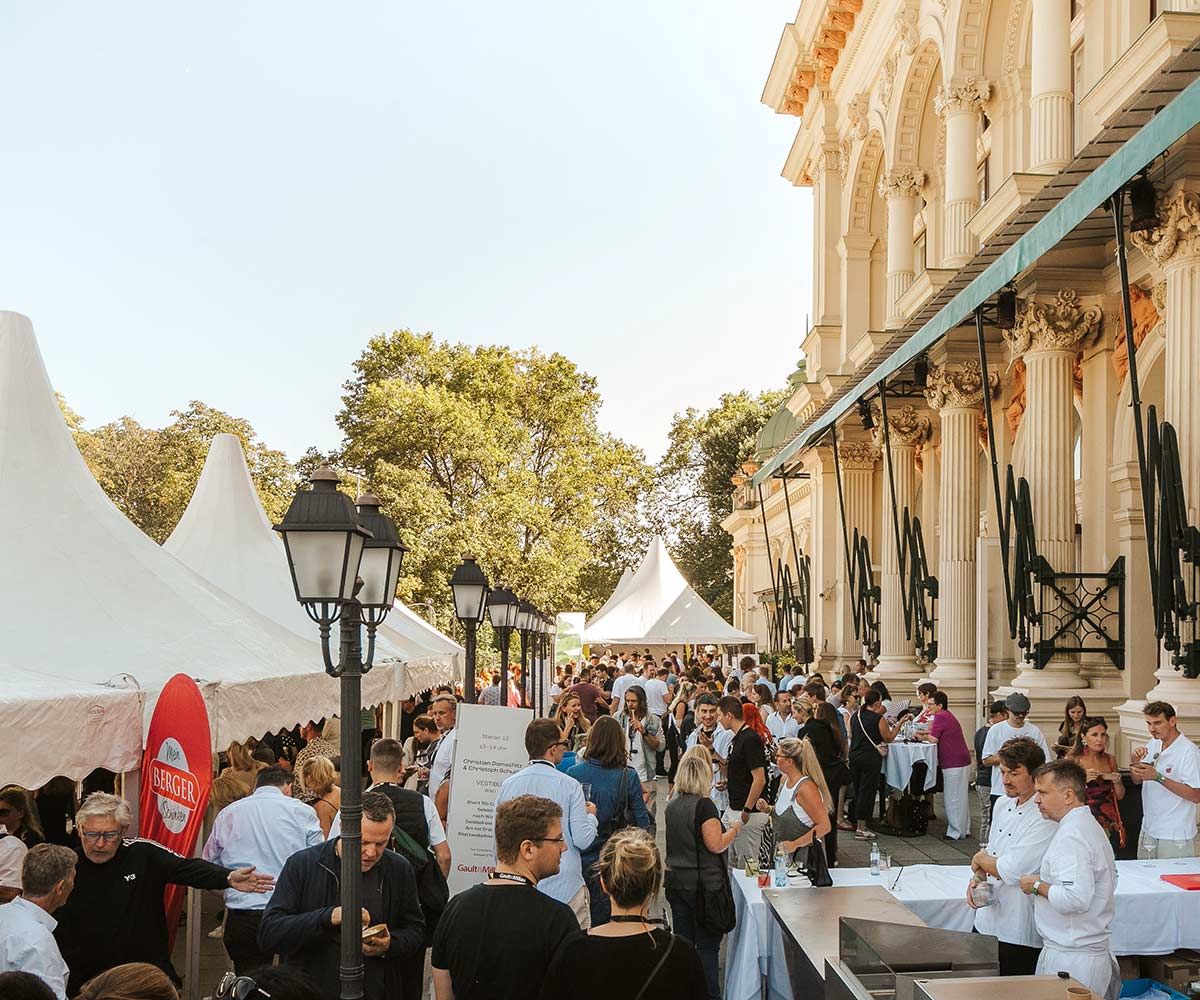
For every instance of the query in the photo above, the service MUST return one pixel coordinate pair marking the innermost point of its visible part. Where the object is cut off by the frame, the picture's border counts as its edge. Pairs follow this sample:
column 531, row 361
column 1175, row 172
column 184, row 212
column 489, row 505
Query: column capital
column 969, row 95
column 903, row 183
column 908, row 427
column 960, row 386
column 858, row 456
column 1178, row 233
column 1065, row 324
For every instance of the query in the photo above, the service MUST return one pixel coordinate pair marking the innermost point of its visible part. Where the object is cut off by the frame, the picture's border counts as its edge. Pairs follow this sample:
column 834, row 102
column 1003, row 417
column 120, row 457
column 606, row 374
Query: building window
column 983, row 180
column 920, row 261
column 1077, row 90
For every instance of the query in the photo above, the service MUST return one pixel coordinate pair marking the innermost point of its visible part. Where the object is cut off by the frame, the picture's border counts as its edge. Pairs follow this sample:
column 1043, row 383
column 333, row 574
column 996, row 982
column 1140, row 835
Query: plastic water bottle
column 874, row 857
column 780, row 869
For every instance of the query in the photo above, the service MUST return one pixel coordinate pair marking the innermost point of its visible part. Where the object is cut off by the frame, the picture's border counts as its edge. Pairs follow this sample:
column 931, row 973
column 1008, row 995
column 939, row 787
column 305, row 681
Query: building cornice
column 808, row 53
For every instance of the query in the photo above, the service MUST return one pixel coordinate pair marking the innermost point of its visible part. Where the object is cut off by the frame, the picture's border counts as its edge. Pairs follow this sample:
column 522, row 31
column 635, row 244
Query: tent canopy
column 618, row 590
column 657, row 607
column 224, row 535
column 88, row 596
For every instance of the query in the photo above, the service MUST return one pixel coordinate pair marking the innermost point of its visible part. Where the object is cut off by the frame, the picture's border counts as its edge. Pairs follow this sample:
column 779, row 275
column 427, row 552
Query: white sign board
column 489, row 747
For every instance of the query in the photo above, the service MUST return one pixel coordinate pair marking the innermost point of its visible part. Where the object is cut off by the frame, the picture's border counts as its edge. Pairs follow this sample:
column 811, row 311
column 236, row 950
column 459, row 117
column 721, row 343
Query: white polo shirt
column 442, row 763
column 1166, row 816
column 1001, row 733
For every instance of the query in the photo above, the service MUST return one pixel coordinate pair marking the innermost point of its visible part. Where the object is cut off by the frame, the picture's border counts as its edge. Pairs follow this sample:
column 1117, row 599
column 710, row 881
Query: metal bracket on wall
column 860, row 577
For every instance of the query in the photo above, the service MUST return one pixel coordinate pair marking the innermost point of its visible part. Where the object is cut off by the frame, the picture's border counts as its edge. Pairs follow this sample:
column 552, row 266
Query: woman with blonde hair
column 696, row 845
column 235, row 781
column 675, row 721
column 319, row 777
column 637, row 958
column 132, row 981
column 803, row 805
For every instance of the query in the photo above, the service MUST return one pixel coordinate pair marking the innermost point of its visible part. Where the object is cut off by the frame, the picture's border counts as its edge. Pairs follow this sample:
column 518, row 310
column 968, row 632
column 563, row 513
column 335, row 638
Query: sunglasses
column 235, row 987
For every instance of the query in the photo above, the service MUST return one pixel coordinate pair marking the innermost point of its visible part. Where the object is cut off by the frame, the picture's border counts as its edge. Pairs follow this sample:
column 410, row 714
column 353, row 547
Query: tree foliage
column 150, row 474
column 693, row 493
column 496, row 453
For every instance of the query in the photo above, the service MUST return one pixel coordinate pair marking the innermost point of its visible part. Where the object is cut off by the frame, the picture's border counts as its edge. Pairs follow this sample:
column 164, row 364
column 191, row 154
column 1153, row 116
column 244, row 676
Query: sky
column 225, row 201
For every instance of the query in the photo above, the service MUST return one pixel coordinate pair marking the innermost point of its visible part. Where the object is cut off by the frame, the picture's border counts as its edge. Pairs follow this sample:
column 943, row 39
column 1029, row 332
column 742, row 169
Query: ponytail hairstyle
column 630, row 868
column 802, row 754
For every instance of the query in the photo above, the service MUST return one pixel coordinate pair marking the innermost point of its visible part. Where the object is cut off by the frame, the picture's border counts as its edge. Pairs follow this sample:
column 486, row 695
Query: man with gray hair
column 115, row 914
column 26, row 925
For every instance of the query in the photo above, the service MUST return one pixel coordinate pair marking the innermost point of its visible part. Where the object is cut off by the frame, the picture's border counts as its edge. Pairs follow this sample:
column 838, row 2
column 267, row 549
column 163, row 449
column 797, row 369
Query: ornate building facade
column 926, row 129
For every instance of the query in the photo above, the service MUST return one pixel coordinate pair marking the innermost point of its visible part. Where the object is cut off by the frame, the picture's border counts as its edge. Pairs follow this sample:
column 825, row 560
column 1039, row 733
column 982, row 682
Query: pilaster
column 960, row 105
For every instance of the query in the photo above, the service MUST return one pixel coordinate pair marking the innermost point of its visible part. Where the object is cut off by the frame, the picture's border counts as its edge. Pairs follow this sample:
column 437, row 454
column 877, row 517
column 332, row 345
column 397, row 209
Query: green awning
column 1068, row 209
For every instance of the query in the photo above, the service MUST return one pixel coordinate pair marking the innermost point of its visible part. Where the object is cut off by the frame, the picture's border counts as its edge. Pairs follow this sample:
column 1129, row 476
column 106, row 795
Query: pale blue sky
column 223, row 201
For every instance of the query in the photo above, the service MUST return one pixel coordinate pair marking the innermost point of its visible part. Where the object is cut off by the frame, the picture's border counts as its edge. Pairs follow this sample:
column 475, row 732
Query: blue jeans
column 708, row 944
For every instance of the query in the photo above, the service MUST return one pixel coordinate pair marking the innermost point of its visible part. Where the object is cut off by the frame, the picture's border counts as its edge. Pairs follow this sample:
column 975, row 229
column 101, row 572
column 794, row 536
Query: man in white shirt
column 1019, row 838
column 12, row 856
column 264, row 830
column 1168, row 769
column 1073, row 890
column 781, row 722
column 545, row 746
column 711, row 734
column 623, row 683
column 1017, row 706
column 763, row 676
column 26, row 926
column 443, row 711
column 657, row 690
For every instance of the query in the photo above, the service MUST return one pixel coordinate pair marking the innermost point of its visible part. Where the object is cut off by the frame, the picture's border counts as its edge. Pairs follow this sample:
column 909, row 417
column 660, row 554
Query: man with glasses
column 1014, row 728
column 545, row 746
column 443, row 711
column 115, row 915
column 496, row 940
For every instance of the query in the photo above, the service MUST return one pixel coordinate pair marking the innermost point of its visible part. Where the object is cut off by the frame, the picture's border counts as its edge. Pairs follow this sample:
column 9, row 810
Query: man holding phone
column 1168, row 769
column 709, row 733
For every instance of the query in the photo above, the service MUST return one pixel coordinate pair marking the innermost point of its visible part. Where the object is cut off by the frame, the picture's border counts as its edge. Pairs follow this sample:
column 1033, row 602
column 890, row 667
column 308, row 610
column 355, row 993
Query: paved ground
column 929, row 849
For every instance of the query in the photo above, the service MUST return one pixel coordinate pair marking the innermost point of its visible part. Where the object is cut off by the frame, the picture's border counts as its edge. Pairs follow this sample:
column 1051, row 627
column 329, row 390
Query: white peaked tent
column 657, row 607
column 626, row 576
column 224, row 535
column 88, row 597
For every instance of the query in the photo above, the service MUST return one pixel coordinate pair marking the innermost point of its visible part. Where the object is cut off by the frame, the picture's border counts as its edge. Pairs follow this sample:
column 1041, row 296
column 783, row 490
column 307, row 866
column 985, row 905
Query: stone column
column 1175, row 246
column 857, row 459
column 1051, row 104
column 900, row 189
column 1049, row 335
column 909, row 431
column 828, row 172
column 960, row 106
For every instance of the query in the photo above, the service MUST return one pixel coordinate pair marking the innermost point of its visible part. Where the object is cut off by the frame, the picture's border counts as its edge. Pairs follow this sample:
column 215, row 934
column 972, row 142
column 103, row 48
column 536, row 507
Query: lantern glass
column 380, row 571
column 502, row 606
column 470, row 589
column 324, row 564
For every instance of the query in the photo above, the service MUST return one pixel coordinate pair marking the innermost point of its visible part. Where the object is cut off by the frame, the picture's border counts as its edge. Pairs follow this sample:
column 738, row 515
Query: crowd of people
column 755, row 767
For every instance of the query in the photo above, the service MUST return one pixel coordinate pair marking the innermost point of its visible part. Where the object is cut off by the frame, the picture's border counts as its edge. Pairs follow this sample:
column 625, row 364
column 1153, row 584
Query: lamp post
column 344, row 565
column 543, row 629
column 470, row 588
column 503, row 607
column 526, row 614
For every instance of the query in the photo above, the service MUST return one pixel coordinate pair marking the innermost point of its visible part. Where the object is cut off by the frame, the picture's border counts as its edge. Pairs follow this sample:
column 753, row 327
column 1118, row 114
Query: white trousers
column 956, row 797
column 1097, row 970
column 749, row 839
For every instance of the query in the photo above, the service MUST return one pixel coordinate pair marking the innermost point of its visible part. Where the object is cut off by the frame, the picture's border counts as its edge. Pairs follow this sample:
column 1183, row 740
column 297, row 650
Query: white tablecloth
column 898, row 765
column 1153, row 917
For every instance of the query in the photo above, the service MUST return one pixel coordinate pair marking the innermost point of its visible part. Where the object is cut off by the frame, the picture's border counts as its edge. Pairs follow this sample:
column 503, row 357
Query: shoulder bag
column 622, row 816
column 658, row 967
column 714, row 906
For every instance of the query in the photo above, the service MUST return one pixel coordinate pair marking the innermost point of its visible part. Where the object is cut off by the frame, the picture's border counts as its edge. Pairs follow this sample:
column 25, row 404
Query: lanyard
column 513, row 877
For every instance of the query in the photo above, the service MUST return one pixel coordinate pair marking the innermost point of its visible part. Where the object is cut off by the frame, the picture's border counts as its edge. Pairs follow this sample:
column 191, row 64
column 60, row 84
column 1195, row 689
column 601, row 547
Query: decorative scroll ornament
column 959, row 387
column 887, row 82
column 858, row 455
column 1179, row 233
column 906, row 25
column 970, row 95
column 1062, row 325
column 857, row 113
column 908, row 427
column 903, row 183
column 845, row 148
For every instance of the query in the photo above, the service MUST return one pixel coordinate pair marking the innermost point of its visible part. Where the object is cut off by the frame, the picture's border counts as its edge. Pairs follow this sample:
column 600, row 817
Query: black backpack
column 432, row 891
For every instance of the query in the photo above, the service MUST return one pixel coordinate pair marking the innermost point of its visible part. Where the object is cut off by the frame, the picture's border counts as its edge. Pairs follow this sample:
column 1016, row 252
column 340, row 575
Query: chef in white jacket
column 1019, row 837
column 1073, row 890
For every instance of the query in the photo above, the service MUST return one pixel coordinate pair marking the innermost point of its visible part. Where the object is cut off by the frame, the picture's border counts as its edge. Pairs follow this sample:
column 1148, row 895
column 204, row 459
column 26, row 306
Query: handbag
column 715, row 911
column 654, row 972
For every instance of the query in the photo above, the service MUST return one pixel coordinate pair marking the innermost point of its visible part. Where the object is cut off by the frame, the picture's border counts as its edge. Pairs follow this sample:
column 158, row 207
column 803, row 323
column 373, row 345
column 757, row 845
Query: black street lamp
column 526, row 615
column 539, row 699
column 503, row 607
column 344, row 565
column 470, row 588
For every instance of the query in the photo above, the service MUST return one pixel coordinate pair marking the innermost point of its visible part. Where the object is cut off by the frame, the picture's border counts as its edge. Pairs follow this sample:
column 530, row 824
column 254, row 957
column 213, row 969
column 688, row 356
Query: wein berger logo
column 175, row 787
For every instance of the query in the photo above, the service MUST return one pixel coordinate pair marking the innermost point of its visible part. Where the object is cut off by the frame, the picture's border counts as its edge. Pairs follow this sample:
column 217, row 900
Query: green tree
column 692, row 492
column 151, row 474
column 496, row 453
